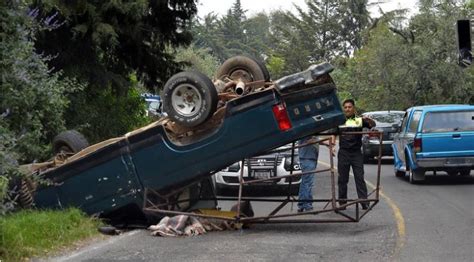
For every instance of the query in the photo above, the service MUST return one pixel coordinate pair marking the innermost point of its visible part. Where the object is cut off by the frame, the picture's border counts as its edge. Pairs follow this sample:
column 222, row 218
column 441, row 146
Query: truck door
column 408, row 132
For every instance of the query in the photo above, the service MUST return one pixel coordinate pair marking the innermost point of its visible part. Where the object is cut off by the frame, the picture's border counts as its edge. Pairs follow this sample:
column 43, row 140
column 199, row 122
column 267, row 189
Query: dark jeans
column 346, row 159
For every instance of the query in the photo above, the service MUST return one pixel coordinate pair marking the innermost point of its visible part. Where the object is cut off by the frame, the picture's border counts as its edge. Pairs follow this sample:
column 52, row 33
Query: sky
column 220, row 7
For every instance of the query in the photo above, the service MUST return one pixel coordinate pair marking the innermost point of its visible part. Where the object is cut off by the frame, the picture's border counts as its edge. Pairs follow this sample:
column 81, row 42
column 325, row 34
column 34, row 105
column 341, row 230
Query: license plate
column 262, row 174
column 455, row 161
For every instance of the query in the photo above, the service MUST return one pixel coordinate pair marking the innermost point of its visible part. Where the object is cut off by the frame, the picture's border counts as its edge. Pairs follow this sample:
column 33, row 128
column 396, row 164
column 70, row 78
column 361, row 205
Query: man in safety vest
column 350, row 153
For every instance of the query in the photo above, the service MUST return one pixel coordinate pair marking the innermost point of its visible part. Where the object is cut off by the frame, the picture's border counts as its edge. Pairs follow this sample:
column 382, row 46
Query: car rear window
column 387, row 118
column 448, row 121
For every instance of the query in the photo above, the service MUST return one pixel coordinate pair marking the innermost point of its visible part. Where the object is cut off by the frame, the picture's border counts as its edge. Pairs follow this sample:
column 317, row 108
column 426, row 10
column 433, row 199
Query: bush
column 29, row 233
column 33, row 99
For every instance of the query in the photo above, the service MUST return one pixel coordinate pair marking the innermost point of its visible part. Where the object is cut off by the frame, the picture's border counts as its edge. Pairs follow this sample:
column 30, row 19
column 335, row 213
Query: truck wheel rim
column 186, row 100
column 241, row 74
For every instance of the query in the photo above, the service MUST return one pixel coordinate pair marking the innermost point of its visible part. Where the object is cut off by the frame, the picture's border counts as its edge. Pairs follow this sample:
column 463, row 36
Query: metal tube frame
column 169, row 200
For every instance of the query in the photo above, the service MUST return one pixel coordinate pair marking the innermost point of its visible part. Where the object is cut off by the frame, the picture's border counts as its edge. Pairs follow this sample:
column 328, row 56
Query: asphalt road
column 429, row 222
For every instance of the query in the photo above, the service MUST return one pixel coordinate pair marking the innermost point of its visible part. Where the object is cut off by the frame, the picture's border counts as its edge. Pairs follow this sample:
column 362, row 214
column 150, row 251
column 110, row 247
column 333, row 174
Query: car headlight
column 235, row 167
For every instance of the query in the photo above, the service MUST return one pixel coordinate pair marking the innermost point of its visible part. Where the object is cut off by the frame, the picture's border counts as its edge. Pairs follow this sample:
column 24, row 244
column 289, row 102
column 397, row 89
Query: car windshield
column 389, row 118
column 448, row 121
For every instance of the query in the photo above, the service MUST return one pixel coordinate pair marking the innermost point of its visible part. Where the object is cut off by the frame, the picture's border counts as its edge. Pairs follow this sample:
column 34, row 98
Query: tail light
column 281, row 116
column 373, row 136
column 417, row 144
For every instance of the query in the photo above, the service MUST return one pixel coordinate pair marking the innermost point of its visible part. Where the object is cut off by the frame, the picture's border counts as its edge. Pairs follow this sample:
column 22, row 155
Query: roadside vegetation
column 83, row 64
column 28, row 233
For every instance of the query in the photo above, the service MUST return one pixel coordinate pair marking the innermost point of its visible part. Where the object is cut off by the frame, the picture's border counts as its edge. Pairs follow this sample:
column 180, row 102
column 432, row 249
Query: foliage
column 233, row 34
column 198, row 59
column 401, row 67
column 28, row 233
column 33, row 99
column 275, row 66
column 102, row 113
column 102, row 43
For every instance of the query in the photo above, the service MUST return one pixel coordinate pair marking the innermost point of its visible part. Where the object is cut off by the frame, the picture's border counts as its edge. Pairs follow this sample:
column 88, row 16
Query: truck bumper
column 446, row 162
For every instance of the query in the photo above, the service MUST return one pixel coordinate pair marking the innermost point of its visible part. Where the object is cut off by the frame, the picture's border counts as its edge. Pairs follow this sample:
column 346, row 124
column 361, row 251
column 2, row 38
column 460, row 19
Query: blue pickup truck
column 113, row 175
column 435, row 138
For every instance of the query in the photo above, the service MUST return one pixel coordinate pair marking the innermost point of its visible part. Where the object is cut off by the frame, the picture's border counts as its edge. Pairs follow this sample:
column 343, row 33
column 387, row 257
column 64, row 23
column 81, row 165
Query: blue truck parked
column 112, row 176
column 435, row 138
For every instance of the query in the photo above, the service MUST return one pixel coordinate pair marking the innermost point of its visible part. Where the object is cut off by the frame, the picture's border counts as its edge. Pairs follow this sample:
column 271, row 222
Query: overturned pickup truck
column 209, row 125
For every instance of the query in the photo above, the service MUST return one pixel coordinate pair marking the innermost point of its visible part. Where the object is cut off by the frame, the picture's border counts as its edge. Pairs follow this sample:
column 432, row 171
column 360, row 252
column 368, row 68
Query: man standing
column 308, row 157
column 350, row 154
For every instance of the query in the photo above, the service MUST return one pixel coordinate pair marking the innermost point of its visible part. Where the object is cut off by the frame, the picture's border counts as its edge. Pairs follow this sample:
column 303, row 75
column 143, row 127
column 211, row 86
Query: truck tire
column 264, row 68
column 244, row 67
column 189, row 98
column 452, row 172
column 69, row 141
column 399, row 173
column 412, row 175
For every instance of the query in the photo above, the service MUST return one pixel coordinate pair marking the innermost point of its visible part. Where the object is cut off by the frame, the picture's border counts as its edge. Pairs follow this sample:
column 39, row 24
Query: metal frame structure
column 169, row 202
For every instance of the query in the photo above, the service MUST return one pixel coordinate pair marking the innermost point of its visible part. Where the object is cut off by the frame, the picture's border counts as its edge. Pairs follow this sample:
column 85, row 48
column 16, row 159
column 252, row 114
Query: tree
column 355, row 19
column 325, row 32
column 102, row 43
column 414, row 65
column 233, row 34
column 197, row 59
column 33, row 99
column 207, row 35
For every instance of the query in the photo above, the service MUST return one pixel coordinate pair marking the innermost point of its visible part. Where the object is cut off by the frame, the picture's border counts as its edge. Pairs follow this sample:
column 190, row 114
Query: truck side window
column 404, row 122
column 415, row 119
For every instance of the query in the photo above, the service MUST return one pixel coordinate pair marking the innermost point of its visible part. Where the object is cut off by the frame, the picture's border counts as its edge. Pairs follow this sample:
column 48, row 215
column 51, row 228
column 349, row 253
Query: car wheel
column 295, row 190
column 69, row 141
column 412, row 176
column 243, row 67
column 367, row 159
column 452, row 173
column 399, row 173
column 465, row 172
column 189, row 98
column 266, row 74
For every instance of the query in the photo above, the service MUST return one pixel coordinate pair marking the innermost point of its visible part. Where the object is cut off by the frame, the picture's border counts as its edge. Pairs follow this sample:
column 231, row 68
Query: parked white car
column 260, row 167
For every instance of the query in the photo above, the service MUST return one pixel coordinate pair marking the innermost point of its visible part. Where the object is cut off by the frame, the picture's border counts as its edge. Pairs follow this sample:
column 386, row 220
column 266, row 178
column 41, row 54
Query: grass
column 30, row 233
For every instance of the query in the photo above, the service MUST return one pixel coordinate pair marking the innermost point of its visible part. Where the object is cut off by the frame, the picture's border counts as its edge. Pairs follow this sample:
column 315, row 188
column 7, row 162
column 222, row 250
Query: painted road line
column 396, row 213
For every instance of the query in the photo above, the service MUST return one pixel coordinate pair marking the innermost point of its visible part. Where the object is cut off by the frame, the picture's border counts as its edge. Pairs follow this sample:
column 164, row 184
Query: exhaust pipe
column 240, row 88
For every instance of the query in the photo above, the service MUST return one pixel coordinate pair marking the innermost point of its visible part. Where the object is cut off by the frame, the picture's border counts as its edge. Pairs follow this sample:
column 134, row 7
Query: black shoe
column 364, row 206
column 301, row 210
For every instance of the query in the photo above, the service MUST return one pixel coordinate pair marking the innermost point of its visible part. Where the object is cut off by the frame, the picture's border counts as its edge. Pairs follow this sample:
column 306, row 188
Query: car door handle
column 456, row 135
column 318, row 117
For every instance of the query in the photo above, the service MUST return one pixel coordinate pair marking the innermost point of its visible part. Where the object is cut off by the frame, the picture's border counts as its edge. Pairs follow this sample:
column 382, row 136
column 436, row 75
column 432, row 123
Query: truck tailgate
column 449, row 144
